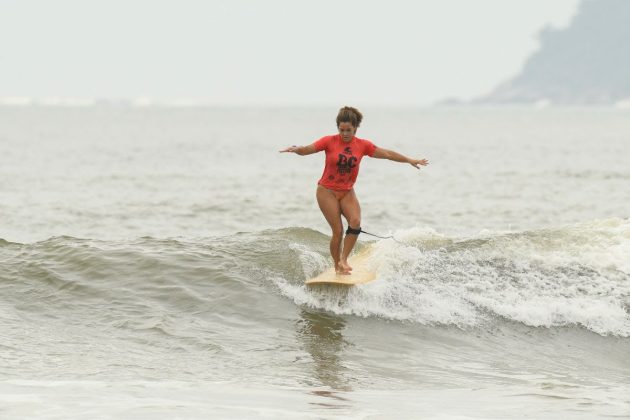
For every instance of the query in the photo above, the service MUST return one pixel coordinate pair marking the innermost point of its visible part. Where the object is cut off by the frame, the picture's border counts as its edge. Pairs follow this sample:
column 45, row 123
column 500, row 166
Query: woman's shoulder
column 324, row 142
column 364, row 141
column 367, row 145
column 328, row 137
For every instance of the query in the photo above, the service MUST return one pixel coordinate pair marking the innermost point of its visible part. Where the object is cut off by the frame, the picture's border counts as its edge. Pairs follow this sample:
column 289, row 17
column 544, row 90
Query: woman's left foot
column 343, row 265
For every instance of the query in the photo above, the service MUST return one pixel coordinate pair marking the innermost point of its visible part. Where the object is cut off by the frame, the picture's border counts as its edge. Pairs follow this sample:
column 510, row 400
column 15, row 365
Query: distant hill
column 586, row 63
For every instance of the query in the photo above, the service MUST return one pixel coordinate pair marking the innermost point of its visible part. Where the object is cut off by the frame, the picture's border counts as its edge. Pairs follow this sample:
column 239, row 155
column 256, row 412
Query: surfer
column 335, row 192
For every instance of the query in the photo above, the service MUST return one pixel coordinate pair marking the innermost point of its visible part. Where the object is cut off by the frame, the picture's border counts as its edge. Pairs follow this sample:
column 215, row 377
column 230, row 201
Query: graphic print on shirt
column 345, row 163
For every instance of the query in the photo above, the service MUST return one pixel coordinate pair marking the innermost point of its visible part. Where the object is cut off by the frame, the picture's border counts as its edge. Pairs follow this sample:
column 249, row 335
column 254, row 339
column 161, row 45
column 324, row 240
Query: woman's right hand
column 300, row 150
column 290, row 149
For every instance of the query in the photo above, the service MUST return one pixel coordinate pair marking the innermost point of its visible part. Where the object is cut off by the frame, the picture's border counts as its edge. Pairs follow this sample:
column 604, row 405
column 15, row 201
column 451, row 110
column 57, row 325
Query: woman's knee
column 354, row 222
column 337, row 232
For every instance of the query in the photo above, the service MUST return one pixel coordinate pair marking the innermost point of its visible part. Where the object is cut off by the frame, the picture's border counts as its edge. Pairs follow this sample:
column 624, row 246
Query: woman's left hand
column 417, row 162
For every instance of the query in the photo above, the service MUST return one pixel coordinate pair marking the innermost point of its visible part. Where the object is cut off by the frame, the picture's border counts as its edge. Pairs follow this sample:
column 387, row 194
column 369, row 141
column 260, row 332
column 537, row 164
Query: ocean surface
column 152, row 262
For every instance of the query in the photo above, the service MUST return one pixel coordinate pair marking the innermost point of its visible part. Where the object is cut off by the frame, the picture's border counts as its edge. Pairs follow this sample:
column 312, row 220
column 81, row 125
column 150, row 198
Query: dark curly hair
column 351, row 115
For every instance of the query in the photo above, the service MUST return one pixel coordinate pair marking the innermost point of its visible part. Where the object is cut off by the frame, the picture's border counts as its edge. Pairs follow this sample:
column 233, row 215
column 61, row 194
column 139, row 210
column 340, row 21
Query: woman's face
column 347, row 131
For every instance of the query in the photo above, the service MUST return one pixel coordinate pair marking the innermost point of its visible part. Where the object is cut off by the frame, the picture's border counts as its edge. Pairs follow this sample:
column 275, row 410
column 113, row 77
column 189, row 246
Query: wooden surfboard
column 361, row 273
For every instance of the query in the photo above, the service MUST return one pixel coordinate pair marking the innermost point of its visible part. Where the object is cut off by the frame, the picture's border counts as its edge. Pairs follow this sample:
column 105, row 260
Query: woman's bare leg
column 351, row 210
column 331, row 208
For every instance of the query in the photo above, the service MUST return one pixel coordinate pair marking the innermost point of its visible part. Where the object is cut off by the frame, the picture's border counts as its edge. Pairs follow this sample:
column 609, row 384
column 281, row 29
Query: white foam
column 623, row 104
column 136, row 102
column 574, row 275
column 46, row 101
column 142, row 101
column 312, row 262
column 16, row 101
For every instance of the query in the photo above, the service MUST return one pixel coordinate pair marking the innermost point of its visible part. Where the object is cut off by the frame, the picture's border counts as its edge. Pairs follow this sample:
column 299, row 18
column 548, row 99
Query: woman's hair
column 351, row 115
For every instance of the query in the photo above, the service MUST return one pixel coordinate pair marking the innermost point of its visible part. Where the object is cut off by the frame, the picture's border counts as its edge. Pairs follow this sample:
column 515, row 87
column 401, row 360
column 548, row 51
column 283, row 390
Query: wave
column 576, row 275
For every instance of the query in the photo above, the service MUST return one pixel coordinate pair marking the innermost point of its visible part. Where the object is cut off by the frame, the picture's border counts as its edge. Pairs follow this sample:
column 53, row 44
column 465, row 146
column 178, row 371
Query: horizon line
column 182, row 102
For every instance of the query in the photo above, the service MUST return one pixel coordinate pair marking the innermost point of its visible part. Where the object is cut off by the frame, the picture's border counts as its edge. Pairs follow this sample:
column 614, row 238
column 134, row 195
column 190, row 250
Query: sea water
column 152, row 262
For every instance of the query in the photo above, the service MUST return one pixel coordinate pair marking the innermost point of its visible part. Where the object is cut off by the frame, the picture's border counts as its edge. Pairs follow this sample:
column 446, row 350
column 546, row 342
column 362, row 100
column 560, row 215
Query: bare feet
column 343, row 270
column 343, row 265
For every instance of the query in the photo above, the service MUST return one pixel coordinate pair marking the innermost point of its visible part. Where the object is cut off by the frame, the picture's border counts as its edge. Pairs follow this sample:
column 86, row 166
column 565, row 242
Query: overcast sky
column 274, row 52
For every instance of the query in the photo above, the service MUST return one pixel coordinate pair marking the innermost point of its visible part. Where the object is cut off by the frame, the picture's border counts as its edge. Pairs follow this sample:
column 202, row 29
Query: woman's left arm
column 381, row 153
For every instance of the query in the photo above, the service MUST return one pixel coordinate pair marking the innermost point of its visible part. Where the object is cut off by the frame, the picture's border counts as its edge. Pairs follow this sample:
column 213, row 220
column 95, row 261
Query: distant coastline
column 585, row 64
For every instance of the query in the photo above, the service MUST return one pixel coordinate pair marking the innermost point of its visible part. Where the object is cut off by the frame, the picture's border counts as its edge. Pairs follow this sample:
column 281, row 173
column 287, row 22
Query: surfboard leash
column 380, row 237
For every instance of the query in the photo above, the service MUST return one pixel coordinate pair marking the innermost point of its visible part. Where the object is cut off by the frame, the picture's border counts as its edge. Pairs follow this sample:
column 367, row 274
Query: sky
column 269, row 52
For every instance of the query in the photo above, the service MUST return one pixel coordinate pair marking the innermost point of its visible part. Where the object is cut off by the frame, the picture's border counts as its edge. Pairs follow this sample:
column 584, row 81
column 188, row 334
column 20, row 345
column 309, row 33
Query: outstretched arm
column 300, row 150
column 381, row 153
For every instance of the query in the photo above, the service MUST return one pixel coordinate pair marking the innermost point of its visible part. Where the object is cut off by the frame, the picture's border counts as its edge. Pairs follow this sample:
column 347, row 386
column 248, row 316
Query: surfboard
column 361, row 272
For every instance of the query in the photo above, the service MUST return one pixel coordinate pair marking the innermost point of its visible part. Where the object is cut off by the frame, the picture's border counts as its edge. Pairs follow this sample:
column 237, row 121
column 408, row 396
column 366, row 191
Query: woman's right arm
column 300, row 150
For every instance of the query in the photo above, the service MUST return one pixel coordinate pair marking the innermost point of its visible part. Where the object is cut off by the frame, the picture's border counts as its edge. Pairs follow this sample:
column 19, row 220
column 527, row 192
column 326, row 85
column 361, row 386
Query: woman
column 335, row 193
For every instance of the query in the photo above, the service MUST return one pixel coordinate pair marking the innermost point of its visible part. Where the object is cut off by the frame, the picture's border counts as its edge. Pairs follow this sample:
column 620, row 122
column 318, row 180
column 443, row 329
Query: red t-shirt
column 342, row 160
